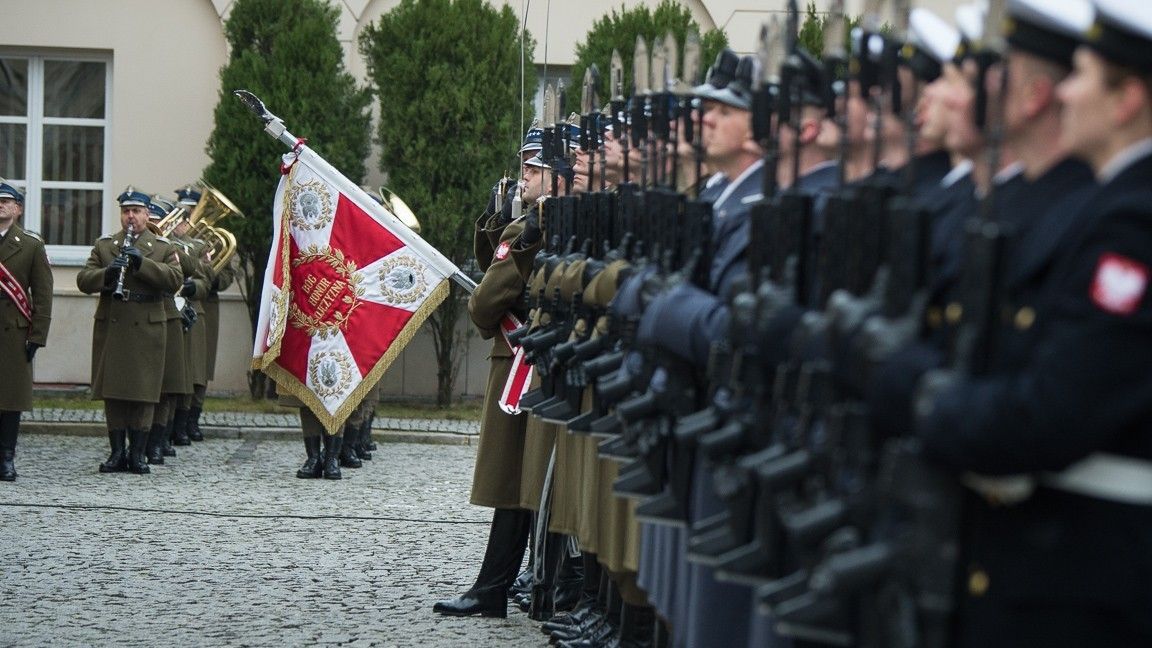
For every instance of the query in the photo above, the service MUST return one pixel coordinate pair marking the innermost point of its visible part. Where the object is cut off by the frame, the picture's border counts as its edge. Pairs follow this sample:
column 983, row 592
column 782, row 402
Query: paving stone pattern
column 224, row 546
column 259, row 420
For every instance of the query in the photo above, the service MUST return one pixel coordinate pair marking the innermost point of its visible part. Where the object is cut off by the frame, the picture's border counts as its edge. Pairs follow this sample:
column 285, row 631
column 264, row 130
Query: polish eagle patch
column 1119, row 284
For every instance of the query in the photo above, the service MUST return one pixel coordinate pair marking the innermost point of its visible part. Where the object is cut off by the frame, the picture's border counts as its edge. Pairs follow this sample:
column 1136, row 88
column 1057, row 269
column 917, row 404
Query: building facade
column 95, row 96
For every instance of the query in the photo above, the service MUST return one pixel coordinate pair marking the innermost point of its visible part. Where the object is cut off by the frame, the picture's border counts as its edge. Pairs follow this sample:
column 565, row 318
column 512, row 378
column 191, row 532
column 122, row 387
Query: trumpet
column 129, row 240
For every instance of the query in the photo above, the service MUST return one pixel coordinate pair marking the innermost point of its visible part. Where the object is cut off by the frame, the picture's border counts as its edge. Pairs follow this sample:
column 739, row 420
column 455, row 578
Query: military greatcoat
column 128, row 337
column 196, row 341
column 496, row 477
column 217, row 281
column 22, row 252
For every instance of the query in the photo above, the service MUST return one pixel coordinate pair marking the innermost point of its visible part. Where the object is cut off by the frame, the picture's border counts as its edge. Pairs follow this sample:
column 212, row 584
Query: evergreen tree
column 618, row 31
column 288, row 54
column 447, row 74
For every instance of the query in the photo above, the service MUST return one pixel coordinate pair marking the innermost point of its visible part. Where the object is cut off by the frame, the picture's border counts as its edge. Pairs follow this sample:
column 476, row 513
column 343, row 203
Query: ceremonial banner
column 346, row 288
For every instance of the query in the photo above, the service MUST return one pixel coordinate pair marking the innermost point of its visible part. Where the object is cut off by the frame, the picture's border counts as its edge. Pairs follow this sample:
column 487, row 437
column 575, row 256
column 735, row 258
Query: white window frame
column 35, row 121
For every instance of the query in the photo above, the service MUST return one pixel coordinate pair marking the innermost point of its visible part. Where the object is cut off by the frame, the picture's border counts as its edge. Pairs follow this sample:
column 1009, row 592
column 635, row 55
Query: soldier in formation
column 874, row 376
column 25, row 314
column 133, row 271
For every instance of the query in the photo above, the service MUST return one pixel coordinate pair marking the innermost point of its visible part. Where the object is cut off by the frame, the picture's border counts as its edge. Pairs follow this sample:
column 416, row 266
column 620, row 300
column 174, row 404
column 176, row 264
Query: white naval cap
column 932, row 35
column 1122, row 32
column 1051, row 29
column 970, row 20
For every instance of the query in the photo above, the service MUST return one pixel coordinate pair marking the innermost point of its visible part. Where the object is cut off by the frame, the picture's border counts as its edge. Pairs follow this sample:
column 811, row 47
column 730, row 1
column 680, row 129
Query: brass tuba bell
column 212, row 208
column 400, row 209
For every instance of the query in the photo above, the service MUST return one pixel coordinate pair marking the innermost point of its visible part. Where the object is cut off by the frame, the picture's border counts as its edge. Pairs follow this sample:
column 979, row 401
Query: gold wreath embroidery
column 311, row 205
column 320, row 376
column 346, row 269
column 402, row 280
column 278, row 321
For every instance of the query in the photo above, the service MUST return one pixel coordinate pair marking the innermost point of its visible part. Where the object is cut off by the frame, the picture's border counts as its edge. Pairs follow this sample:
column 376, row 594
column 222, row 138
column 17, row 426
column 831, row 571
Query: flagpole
column 275, row 128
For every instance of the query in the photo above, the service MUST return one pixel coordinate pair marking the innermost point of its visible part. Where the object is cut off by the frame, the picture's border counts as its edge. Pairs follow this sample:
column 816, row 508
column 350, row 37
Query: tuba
column 213, row 207
column 400, row 209
column 393, row 204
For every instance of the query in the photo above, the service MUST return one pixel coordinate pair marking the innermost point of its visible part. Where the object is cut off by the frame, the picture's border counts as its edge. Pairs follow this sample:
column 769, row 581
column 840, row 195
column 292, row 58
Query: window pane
column 74, row 89
column 13, row 150
column 13, row 87
column 70, row 216
column 74, row 153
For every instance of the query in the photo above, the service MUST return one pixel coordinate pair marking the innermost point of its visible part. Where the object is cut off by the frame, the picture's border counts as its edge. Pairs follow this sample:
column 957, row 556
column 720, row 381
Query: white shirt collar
column 716, row 177
column 5, row 230
column 1130, row 155
column 963, row 168
column 1007, row 173
column 739, row 179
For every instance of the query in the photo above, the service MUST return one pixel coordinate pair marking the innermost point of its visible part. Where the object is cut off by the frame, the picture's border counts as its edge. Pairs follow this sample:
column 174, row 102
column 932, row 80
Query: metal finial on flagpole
column 273, row 125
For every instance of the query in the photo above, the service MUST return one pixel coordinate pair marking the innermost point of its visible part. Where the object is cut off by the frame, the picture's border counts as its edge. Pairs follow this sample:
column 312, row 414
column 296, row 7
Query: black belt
column 136, row 296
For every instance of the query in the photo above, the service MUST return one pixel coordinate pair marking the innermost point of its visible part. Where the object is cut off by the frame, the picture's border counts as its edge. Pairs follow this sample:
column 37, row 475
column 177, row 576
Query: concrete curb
column 258, row 433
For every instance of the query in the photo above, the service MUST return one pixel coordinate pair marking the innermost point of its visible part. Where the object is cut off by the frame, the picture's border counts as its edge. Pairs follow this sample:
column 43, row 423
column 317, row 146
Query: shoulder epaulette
column 106, row 237
column 35, row 235
column 163, row 240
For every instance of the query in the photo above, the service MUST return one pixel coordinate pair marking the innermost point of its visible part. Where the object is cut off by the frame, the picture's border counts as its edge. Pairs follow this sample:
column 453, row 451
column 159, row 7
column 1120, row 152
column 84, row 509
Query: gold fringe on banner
column 287, row 383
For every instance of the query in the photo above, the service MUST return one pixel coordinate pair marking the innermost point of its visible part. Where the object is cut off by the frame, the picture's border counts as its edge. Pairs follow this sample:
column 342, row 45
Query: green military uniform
column 218, row 281
column 177, row 382
column 497, row 475
column 196, row 339
column 22, row 253
column 540, row 437
column 24, row 262
column 129, row 337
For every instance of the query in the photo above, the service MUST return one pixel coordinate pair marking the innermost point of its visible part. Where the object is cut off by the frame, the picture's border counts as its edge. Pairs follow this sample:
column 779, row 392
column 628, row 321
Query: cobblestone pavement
column 224, row 546
column 258, row 420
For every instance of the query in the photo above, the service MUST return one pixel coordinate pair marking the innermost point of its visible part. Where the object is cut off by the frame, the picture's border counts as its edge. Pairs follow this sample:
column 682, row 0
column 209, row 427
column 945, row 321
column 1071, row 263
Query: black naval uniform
column 1072, row 409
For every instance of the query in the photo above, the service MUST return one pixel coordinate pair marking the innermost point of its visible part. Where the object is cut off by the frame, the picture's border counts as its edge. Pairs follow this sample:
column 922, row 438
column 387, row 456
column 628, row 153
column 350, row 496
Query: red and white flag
column 347, row 286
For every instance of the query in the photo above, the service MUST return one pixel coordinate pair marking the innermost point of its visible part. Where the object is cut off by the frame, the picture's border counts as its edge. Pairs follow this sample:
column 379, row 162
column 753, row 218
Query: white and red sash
column 519, row 375
column 15, row 292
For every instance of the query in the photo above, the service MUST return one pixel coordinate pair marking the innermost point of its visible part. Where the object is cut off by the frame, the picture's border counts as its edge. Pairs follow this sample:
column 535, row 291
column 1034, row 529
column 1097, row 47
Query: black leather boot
column 522, row 584
column 540, row 603
column 348, row 458
column 194, row 432
column 313, row 467
column 137, row 452
column 180, row 428
column 507, row 539
column 637, row 627
column 167, row 450
column 362, row 441
column 9, row 429
column 586, row 603
column 569, row 583
column 332, row 457
column 156, row 444
column 601, row 633
column 602, row 610
column 118, row 460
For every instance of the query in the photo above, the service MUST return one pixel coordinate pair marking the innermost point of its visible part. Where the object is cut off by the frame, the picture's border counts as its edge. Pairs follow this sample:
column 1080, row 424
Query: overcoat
column 129, row 337
column 22, row 252
column 496, row 476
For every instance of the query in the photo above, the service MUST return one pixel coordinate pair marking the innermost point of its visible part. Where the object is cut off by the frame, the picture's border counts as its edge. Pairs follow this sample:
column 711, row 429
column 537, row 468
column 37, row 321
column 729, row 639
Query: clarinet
column 129, row 240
